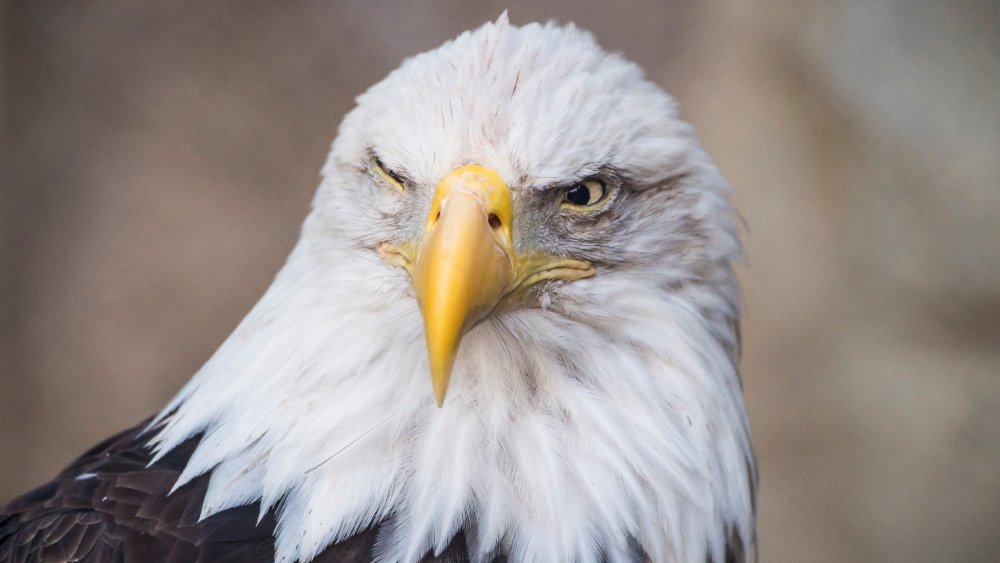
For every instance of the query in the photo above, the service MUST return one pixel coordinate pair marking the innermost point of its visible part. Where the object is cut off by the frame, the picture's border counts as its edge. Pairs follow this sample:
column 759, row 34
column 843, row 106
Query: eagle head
column 521, row 218
column 503, row 166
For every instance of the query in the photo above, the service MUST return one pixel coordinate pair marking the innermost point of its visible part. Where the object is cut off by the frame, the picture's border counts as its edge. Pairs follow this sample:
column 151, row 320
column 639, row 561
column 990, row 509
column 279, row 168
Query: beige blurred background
column 158, row 158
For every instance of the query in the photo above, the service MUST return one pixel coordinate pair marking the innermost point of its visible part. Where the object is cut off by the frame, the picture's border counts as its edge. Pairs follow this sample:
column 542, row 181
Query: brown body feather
column 119, row 510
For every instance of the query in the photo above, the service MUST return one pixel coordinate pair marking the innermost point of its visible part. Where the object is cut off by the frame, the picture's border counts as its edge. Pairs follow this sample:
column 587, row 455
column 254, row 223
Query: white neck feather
column 563, row 437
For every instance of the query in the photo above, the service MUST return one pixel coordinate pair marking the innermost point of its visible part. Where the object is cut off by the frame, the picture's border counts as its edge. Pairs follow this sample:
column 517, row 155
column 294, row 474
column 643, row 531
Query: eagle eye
column 585, row 194
column 386, row 174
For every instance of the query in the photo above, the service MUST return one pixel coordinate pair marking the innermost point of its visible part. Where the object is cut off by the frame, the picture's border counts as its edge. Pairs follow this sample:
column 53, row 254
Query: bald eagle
column 521, row 218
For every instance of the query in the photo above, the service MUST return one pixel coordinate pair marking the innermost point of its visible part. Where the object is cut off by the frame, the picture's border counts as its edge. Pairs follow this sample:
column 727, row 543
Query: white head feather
column 609, row 419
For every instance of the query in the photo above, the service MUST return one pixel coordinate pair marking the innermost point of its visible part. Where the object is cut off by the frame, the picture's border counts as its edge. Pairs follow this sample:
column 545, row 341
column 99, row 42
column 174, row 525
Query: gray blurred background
column 158, row 158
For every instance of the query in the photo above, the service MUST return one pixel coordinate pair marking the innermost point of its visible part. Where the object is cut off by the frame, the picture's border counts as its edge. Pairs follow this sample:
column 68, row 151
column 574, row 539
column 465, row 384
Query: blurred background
column 158, row 158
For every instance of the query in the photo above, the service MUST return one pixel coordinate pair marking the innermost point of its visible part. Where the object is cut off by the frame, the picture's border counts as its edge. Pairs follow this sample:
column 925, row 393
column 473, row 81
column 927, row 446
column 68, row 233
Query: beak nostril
column 495, row 221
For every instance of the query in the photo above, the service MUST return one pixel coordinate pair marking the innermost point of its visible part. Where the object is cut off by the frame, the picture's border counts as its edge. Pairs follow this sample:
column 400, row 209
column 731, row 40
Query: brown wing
column 110, row 505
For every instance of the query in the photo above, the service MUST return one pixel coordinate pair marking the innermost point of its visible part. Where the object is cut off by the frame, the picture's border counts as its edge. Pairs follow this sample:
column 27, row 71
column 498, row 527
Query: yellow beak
column 465, row 266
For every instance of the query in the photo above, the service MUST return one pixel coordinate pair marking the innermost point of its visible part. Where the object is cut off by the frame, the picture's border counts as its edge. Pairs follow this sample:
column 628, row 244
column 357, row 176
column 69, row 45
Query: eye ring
column 585, row 194
column 387, row 175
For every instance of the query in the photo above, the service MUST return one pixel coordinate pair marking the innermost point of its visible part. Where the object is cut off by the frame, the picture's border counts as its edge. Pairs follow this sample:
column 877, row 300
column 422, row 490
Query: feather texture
column 111, row 505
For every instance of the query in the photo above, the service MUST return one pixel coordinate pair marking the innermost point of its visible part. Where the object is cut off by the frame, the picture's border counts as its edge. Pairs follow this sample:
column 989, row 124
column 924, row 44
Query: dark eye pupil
column 578, row 195
column 389, row 173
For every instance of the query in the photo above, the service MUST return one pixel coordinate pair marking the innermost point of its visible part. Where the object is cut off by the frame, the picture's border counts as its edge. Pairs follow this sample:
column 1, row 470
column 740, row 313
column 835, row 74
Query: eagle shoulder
column 110, row 505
